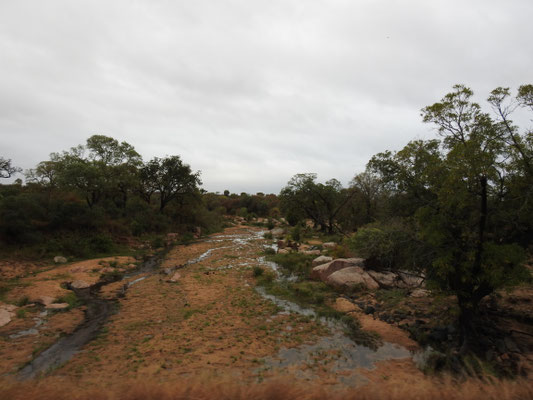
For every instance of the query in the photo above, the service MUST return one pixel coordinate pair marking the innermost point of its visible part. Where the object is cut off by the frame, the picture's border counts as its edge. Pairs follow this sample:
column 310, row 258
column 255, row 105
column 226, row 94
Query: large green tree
column 468, row 193
column 170, row 178
column 303, row 198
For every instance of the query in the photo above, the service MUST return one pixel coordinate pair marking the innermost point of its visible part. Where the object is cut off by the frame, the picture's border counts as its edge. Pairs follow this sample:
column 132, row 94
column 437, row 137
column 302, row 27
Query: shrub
column 258, row 271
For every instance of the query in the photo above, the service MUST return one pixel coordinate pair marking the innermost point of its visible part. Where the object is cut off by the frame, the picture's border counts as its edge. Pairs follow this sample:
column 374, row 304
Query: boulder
column 409, row 281
column 79, row 284
column 57, row 306
column 283, row 251
column 351, row 277
column 44, row 300
column 176, row 277
column 419, row 293
column 321, row 260
column 303, row 247
column 311, row 252
column 385, row 280
column 329, row 245
column 321, row 272
column 6, row 313
column 277, row 232
column 60, row 260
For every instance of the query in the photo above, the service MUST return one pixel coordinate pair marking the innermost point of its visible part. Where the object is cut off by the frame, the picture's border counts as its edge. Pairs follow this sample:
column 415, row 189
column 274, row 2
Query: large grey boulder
column 351, row 277
column 321, row 260
column 409, row 281
column 321, row 272
column 387, row 280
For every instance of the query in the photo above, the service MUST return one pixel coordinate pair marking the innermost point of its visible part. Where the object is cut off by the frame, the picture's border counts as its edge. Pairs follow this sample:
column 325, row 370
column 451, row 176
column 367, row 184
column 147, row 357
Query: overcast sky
column 249, row 92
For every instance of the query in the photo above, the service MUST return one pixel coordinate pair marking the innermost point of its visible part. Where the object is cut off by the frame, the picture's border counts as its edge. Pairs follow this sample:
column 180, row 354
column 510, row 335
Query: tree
column 465, row 197
column 102, row 168
column 168, row 177
column 6, row 169
column 304, row 198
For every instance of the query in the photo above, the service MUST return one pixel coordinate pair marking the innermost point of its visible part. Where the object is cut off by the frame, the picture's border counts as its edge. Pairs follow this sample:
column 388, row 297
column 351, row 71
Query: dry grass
column 201, row 390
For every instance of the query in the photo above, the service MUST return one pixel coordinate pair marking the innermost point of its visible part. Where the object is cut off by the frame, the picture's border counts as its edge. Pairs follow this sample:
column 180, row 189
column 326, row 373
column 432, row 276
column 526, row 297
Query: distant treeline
column 81, row 201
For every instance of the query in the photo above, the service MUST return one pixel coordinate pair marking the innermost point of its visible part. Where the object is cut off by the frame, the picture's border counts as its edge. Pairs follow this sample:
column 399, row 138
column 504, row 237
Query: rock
column 351, row 277
column 176, row 277
column 303, row 247
column 321, row 260
column 277, row 232
column 167, row 271
column 57, row 306
column 409, row 281
column 329, row 245
column 60, row 260
column 321, row 272
column 107, row 270
column 282, row 244
column 283, row 251
column 44, row 300
column 5, row 316
column 385, row 280
column 79, row 284
column 417, row 293
column 311, row 252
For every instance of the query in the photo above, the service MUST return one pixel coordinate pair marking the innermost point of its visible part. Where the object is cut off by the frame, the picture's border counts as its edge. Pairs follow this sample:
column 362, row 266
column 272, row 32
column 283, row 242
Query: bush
column 293, row 263
column 269, row 251
column 390, row 246
column 258, row 271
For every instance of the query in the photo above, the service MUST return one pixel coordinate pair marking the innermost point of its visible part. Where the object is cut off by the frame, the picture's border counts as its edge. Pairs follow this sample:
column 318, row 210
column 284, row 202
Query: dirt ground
column 209, row 322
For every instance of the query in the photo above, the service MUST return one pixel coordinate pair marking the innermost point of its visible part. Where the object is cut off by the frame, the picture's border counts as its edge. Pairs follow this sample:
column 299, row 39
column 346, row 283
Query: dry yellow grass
column 278, row 390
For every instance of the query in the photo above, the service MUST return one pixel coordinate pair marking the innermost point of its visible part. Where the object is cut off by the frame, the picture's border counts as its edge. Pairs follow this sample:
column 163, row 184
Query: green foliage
column 391, row 245
column 467, row 195
column 257, row 271
column 293, row 263
column 71, row 299
column 321, row 202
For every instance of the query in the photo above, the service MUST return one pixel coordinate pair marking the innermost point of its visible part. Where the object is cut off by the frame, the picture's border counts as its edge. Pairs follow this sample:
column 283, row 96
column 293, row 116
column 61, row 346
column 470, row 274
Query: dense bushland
column 88, row 200
column 458, row 208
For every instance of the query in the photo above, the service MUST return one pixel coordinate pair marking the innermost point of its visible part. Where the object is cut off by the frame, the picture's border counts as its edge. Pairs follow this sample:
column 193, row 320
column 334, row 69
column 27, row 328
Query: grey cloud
column 249, row 92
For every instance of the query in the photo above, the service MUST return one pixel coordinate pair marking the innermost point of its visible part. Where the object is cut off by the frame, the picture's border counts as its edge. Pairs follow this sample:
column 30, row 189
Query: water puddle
column 97, row 312
column 337, row 352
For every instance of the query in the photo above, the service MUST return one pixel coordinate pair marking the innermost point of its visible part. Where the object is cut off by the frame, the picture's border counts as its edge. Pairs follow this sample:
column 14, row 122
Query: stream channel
column 348, row 355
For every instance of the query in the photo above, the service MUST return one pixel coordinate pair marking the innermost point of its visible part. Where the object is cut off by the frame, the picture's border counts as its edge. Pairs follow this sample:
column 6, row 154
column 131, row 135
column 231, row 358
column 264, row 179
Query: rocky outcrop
column 386, row 280
column 321, row 260
column 351, row 277
column 358, row 275
column 322, row 272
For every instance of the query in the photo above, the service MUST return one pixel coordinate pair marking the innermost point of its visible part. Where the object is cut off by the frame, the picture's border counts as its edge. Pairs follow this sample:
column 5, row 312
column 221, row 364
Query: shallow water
column 338, row 352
